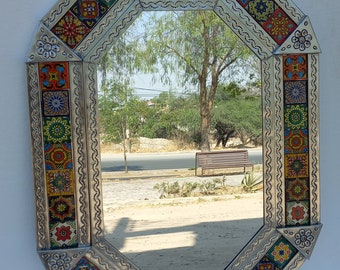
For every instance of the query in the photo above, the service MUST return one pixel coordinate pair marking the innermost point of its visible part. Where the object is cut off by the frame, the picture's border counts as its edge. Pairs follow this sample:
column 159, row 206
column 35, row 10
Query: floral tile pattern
column 70, row 30
column 55, row 103
column 271, row 17
column 296, row 140
column 244, row 2
column 295, row 92
column 261, row 10
column 75, row 25
column 60, row 182
column 58, row 156
column 266, row 264
column 279, row 26
column 61, row 208
column 295, row 67
column 278, row 256
column 296, row 158
column 59, row 175
column 297, row 213
column 89, row 11
column 54, row 76
column 296, row 117
column 281, row 252
column 63, row 235
column 109, row 3
column 296, row 165
column 271, row 21
column 57, row 129
column 85, row 264
column 297, row 189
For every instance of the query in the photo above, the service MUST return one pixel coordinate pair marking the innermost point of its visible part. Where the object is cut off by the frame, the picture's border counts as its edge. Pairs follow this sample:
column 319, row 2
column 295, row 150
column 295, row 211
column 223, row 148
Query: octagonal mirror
column 158, row 210
column 63, row 96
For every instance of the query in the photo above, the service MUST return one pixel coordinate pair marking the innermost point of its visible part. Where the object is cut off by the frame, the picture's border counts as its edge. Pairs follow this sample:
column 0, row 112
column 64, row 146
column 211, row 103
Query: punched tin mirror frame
column 62, row 88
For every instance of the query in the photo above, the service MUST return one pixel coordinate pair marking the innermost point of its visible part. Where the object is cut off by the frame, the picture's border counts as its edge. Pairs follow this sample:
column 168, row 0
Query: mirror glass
column 162, row 209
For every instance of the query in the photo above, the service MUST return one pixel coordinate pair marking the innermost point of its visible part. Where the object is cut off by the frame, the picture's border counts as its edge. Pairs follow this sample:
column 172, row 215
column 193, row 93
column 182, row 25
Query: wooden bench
column 221, row 160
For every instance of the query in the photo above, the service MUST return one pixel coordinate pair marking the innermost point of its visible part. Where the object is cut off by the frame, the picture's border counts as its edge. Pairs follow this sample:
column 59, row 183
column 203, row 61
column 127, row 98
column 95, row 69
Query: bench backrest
column 225, row 157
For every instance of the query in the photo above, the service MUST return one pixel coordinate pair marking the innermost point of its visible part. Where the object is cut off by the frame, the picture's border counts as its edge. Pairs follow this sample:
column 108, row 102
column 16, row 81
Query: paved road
column 161, row 161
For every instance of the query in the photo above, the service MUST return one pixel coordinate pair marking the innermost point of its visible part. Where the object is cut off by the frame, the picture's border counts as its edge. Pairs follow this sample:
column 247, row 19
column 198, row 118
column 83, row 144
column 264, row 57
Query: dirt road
column 196, row 233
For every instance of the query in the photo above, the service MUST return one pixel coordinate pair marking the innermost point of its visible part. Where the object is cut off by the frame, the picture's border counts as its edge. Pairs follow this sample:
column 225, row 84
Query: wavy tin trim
column 38, row 158
column 314, row 116
column 84, row 113
column 149, row 5
column 119, row 14
column 79, row 153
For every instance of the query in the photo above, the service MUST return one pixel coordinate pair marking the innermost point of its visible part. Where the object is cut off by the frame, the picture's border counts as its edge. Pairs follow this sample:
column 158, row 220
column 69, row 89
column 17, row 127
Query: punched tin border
column 82, row 53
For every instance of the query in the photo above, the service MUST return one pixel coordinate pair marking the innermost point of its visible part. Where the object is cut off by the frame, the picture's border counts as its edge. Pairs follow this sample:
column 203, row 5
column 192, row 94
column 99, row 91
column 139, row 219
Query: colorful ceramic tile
column 57, row 129
column 55, row 103
column 108, row 3
column 266, row 264
column 60, row 182
column 61, row 208
column 54, row 76
column 295, row 67
column 296, row 141
column 297, row 189
column 302, row 40
column 295, row 117
column 295, row 92
column 243, row 2
column 297, row 213
column 85, row 264
column 261, row 10
column 58, row 156
column 70, row 30
column 49, row 48
column 296, row 165
column 279, row 26
column 282, row 252
column 63, row 235
column 89, row 11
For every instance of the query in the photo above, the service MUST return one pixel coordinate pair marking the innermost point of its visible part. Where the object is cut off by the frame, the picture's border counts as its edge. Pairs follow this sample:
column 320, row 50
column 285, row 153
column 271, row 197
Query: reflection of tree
column 201, row 50
column 223, row 132
column 204, row 54
column 121, row 114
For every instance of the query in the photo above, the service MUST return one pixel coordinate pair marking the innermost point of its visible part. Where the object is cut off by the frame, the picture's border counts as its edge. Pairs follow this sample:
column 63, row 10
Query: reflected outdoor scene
column 176, row 84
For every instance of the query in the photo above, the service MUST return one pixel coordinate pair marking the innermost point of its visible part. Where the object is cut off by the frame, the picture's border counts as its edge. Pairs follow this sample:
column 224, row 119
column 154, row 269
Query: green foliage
column 207, row 187
column 244, row 114
column 120, row 111
column 200, row 49
column 251, row 182
column 228, row 91
column 179, row 118
column 168, row 189
column 187, row 189
column 195, row 47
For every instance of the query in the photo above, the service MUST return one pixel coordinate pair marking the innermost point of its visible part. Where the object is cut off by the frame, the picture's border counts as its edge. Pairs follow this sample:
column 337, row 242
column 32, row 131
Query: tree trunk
column 205, row 131
column 124, row 147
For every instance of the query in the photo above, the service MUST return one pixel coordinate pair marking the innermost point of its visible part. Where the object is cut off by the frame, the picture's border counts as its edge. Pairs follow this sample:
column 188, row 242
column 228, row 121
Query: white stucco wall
column 18, row 23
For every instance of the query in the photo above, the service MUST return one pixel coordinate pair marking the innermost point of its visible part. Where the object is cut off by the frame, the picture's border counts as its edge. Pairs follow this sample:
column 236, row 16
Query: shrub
column 187, row 189
column 175, row 189
column 251, row 182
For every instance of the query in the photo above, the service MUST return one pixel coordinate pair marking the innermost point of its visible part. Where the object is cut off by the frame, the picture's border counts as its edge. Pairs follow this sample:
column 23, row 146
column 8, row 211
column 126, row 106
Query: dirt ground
column 196, row 233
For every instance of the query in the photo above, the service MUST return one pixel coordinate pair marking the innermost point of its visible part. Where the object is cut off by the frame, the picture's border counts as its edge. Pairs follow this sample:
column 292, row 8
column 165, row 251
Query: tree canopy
column 200, row 52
